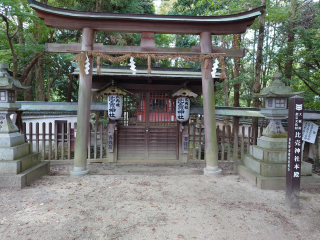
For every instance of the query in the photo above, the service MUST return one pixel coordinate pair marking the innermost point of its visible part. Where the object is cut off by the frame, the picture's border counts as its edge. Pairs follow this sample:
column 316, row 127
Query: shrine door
column 148, row 129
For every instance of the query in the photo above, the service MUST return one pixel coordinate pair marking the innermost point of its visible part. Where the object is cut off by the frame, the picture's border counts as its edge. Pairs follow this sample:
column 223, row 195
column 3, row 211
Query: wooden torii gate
column 147, row 25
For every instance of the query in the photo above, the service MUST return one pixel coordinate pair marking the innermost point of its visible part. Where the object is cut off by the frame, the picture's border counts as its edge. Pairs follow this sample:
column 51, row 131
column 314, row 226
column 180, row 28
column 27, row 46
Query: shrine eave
column 171, row 24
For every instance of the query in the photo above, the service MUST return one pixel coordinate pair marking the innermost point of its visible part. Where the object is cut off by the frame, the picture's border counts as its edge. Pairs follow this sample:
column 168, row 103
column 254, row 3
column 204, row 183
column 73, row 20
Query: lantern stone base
column 269, row 158
column 266, row 164
column 274, row 183
column 19, row 166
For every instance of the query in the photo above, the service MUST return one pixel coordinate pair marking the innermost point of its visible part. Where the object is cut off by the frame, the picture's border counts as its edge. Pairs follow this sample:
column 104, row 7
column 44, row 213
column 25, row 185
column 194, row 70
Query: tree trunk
column 39, row 81
column 289, row 53
column 259, row 58
column 27, row 95
column 236, row 73
column 70, row 85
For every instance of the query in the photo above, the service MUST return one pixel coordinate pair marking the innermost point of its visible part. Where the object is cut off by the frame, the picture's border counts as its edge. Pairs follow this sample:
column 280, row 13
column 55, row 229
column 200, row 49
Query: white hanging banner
column 182, row 109
column 114, row 107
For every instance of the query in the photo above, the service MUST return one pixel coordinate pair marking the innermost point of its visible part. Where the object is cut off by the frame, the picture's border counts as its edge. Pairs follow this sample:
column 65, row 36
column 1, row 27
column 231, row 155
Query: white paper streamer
column 133, row 67
column 87, row 66
column 214, row 68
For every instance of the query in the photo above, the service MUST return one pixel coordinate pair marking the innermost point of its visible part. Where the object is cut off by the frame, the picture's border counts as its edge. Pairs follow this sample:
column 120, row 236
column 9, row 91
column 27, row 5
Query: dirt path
column 152, row 202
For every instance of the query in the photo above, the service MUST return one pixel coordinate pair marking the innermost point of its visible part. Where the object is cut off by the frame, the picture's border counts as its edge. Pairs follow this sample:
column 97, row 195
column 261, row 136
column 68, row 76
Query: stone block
column 16, row 152
column 252, row 163
column 257, row 152
column 11, row 139
column 272, row 143
column 279, row 170
column 8, row 167
column 274, row 183
column 25, row 178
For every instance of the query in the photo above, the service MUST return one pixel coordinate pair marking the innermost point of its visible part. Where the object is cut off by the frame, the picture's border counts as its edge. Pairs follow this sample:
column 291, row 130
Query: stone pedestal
column 18, row 165
column 268, row 158
column 265, row 165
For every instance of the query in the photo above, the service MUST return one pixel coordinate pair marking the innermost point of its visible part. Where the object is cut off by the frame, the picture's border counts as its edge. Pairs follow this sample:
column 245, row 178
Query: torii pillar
column 83, row 115
column 211, row 147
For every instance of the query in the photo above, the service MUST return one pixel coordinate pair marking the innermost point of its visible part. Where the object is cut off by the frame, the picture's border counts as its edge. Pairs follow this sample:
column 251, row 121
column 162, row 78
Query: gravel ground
column 152, row 201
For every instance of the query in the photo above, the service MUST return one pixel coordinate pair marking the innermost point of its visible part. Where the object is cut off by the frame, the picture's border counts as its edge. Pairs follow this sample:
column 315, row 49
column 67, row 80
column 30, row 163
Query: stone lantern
column 8, row 86
column 266, row 162
column 19, row 166
column 276, row 96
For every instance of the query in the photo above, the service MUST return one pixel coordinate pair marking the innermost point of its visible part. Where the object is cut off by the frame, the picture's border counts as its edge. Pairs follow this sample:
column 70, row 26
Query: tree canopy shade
column 75, row 20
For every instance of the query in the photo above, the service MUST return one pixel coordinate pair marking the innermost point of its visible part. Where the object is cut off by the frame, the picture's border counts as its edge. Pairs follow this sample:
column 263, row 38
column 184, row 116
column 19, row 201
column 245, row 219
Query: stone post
column 83, row 115
column 211, row 147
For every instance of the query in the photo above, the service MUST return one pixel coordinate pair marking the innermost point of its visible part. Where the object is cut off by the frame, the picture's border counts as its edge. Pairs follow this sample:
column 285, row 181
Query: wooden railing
column 59, row 145
column 228, row 151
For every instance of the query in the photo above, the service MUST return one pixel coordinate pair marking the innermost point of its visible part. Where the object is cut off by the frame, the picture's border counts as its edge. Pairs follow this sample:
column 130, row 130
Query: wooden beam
column 135, row 23
column 147, row 40
column 132, row 87
column 67, row 48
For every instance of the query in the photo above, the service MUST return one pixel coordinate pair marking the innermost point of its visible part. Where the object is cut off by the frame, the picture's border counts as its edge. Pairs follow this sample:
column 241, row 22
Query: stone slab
column 272, row 143
column 252, row 163
column 274, row 183
column 11, row 139
column 10, row 167
column 16, row 152
column 25, row 178
column 268, row 155
column 272, row 169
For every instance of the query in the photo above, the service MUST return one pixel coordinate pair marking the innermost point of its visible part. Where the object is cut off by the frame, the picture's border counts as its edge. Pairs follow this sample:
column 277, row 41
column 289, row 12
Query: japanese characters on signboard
column 114, row 107
column 309, row 131
column 295, row 142
column 182, row 109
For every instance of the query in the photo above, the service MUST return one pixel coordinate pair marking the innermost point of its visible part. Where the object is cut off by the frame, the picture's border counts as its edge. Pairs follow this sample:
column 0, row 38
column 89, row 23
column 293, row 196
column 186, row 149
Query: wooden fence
column 228, row 151
column 58, row 144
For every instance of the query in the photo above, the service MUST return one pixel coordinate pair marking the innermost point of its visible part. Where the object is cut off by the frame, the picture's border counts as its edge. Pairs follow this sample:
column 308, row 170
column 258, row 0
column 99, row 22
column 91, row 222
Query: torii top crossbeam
column 113, row 22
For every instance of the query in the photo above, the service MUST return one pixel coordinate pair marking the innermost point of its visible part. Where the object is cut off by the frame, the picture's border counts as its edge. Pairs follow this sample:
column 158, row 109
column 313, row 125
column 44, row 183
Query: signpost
column 294, row 151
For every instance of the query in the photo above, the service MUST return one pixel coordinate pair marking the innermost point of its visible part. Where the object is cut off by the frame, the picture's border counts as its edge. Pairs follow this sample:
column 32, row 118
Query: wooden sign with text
column 294, row 152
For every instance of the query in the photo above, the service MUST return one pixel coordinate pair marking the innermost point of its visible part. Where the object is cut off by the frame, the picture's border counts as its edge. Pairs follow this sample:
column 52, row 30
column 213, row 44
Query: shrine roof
column 161, row 72
column 58, row 106
column 179, row 24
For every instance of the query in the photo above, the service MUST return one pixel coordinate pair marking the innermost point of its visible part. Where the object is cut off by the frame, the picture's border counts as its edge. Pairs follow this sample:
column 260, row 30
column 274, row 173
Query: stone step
column 9, row 167
column 273, row 169
column 25, row 178
column 268, row 155
column 272, row 143
column 16, row 152
column 274, row 183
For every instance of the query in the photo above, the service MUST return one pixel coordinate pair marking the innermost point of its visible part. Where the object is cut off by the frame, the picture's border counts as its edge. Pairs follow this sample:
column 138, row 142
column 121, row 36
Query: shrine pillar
column 211, row 147
column 83, row 115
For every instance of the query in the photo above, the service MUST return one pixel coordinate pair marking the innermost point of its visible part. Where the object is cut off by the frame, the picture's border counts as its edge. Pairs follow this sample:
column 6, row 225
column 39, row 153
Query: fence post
column 43, row 140
column 69, row 140
column 235, row 138
column 50, row 141
column 56, row 140
column 62, row 142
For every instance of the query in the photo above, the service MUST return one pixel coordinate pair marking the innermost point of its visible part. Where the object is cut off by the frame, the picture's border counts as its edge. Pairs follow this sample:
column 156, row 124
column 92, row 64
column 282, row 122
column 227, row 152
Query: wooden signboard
column 294, row 152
